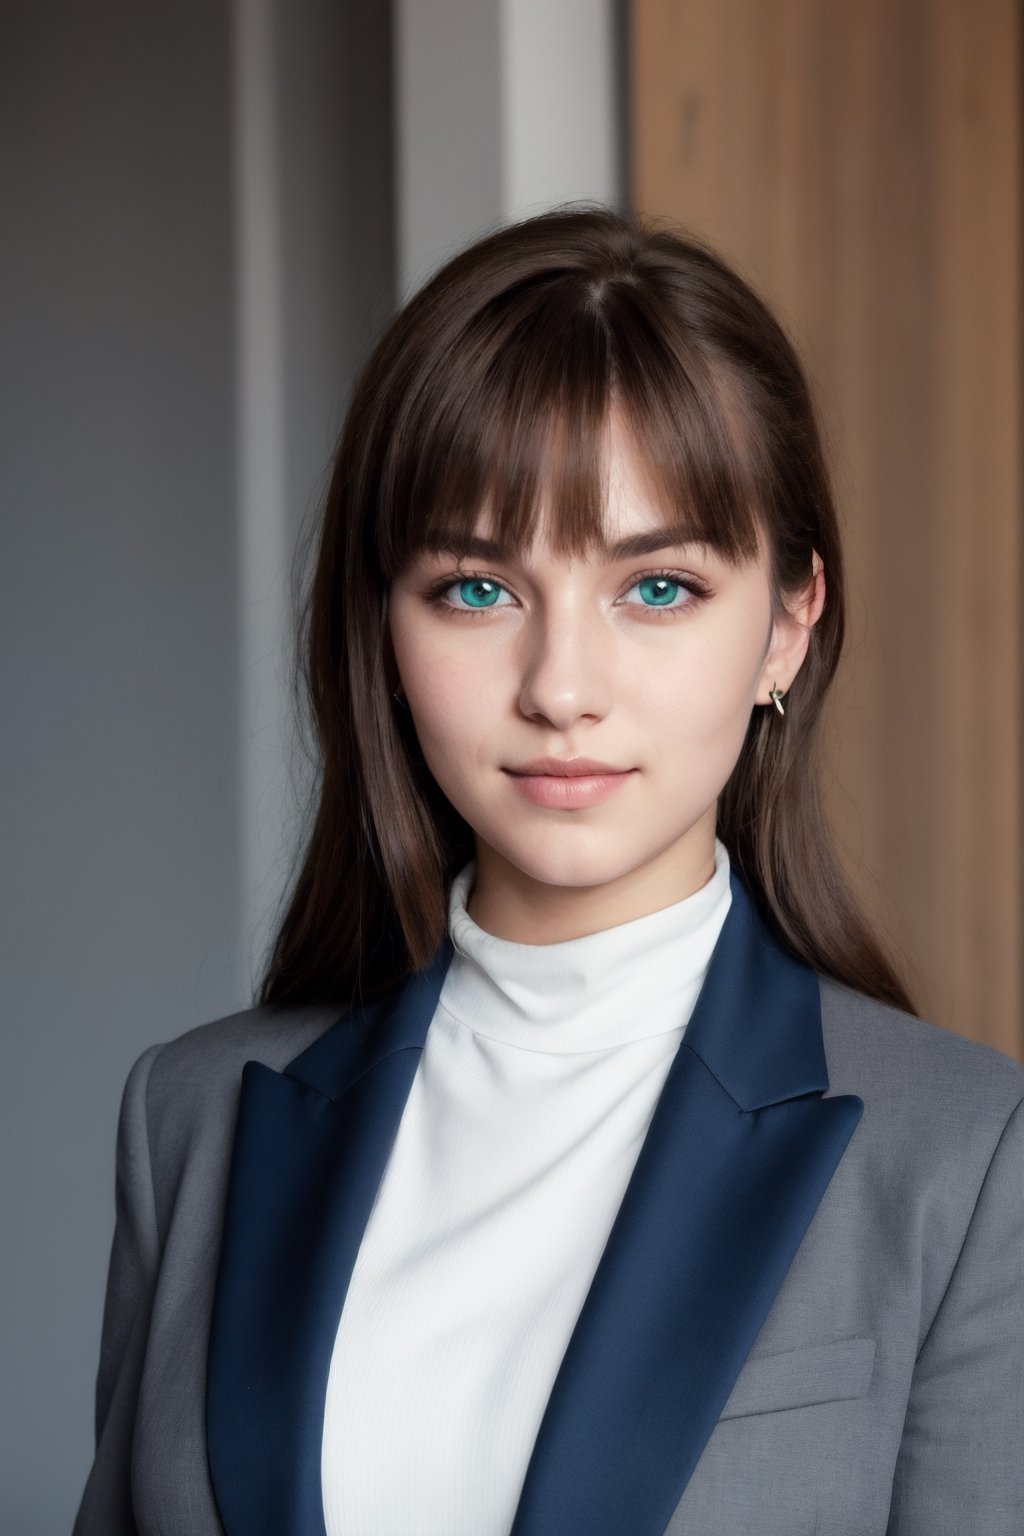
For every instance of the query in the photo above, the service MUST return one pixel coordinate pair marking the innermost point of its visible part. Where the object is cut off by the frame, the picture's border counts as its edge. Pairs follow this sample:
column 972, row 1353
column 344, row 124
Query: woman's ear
column 791, row 634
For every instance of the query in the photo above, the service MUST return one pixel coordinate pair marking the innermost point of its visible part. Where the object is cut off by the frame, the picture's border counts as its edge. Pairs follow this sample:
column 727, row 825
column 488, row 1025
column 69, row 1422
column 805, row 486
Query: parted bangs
column 515, row 415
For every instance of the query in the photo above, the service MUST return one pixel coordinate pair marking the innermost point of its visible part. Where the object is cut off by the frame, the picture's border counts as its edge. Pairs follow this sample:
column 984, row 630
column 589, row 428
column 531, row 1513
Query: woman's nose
column 567, row 671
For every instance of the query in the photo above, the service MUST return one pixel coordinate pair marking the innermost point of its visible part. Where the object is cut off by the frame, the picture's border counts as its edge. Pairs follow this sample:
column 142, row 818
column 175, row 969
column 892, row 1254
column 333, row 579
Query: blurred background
column 210, row 211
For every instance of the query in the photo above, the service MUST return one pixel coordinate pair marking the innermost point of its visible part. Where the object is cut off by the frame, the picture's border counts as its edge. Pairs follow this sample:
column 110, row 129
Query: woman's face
column 650, row 664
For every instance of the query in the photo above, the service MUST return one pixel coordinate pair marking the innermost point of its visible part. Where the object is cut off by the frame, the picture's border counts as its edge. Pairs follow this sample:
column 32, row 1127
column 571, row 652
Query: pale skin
column 569, row 658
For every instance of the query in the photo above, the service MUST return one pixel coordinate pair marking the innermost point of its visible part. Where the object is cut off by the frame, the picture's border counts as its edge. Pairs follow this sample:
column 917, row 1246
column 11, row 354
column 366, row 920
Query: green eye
column 660, row 592
column 659, row 589
column 479, row 592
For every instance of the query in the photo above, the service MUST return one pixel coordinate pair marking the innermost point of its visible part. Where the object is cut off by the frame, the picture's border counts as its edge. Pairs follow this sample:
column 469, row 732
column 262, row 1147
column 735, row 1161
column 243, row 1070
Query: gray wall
column 118, row 602
column 125, row 599
column 502, row 109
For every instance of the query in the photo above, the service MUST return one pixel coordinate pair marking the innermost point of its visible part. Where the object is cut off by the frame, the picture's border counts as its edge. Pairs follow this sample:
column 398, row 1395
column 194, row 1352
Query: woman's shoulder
column 876, row 1050
column 201, row 1068
column 271, row 1035
column 937, row 1157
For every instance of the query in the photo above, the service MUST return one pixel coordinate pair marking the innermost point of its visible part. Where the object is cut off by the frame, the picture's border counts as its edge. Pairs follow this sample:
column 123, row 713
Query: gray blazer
column 808, row 1319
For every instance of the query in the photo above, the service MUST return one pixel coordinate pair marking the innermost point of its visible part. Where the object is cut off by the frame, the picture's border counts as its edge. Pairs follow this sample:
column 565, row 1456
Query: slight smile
column 568, row 784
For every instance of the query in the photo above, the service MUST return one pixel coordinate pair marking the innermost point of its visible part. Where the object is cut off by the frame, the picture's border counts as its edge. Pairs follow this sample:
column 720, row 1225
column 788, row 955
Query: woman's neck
column 510, row 904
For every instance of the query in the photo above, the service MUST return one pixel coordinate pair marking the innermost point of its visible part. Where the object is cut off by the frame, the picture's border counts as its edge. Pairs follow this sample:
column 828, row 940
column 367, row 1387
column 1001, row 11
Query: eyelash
column 698, row 590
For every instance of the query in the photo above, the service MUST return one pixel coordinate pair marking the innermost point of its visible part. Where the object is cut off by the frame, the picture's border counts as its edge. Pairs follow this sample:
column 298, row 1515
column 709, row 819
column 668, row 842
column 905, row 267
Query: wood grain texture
column 860, row 163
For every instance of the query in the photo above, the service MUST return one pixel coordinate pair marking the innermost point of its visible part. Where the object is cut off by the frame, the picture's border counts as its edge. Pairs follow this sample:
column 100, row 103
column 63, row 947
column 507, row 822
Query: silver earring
column 399, row 696
column 775, row 694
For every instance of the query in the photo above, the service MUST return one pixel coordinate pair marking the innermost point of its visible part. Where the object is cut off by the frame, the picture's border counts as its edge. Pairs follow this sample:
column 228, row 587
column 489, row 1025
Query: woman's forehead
column 621, row 533
column 622, row 536
column 631, row 515
column 608, row 488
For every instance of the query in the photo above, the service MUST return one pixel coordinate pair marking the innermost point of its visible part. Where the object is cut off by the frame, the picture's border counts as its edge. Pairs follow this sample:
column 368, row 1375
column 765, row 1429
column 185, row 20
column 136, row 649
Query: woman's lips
column 560, row 792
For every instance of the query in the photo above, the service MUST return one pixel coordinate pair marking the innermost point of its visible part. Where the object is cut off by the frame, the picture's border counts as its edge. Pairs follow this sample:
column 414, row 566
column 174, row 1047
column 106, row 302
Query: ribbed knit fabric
column 541, row 1070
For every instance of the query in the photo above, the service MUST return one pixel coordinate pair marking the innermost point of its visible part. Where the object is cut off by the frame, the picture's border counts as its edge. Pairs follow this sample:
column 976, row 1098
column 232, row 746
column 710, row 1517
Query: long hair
column 493, row 382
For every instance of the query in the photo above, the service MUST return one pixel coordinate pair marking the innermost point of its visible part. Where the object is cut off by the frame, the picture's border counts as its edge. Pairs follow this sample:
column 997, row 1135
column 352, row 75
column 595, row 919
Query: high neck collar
column 624, row 983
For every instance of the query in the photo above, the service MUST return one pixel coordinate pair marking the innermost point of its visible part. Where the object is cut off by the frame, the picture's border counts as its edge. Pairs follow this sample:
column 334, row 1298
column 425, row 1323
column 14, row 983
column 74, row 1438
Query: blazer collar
column 361, row 1039
column 738, row 1155
column 749, row 976
column 756, row 1024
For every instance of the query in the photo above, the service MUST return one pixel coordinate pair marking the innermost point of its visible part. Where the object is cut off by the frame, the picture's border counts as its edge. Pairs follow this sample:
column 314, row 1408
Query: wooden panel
column 859, row 160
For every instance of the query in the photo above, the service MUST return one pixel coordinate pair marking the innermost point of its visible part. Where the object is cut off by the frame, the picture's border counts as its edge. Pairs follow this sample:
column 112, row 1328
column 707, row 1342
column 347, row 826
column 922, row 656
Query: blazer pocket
column 797, row 1378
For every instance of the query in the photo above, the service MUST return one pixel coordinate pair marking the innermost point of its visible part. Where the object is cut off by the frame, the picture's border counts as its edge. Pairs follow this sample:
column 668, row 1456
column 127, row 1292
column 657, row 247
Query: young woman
column 583, row 1167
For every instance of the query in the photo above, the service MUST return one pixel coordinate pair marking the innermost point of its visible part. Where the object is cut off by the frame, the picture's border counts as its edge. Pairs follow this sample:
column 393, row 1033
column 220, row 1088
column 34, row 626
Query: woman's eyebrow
column 635, row 545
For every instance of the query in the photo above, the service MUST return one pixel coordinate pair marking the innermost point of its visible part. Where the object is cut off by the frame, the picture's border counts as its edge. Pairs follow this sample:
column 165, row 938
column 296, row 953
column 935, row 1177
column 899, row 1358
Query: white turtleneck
column 540, row 1073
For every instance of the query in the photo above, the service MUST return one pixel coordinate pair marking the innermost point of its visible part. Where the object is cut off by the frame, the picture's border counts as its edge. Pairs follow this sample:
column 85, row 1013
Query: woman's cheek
column 713, row 728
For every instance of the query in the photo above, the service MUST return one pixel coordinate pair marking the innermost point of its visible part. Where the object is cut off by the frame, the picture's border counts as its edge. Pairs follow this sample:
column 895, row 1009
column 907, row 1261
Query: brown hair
column 492, row 383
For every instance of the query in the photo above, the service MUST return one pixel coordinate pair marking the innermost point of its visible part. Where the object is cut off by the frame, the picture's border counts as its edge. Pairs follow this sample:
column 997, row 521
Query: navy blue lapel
column 740, row 1150
column 310, row 1147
